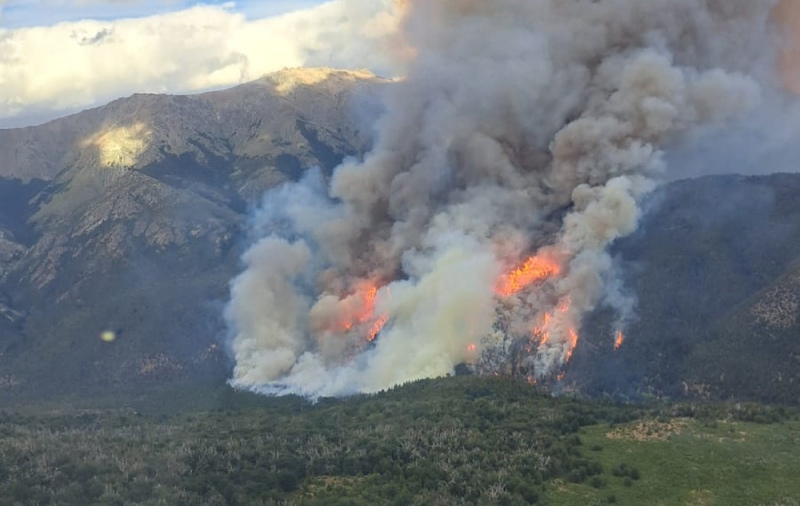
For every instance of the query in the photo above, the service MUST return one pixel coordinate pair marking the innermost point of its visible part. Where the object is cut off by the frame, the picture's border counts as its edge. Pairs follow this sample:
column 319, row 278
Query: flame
column 573, row 342
column 357, row 310
column 550, row 318
column 619, row 340
column 535, row 269
column 555, row 321
column 542, row 332
column 471, row 347
column 376, row 327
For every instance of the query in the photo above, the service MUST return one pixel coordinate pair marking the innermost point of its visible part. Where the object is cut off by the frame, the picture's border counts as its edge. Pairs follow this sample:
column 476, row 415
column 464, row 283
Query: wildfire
column 573, row 342
column 376, row 328
column 550, row 318
column 619, row 340
column 357, row 310
column 542, row 332
column 535, row 269
column 471, row 347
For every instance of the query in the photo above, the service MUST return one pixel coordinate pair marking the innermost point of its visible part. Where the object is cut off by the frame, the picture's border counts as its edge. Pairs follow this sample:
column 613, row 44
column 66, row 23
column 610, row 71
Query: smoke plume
column 515, row 150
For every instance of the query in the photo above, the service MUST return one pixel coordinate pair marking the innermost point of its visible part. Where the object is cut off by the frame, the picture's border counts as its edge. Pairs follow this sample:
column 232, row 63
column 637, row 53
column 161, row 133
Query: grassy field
column 688, row 462
column 452, row 441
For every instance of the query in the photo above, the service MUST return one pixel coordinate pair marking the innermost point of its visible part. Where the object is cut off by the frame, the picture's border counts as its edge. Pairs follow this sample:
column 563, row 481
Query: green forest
column 460, row 440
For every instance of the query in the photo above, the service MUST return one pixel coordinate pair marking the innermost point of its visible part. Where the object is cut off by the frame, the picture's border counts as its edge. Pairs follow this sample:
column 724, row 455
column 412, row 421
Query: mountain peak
column 287, row 80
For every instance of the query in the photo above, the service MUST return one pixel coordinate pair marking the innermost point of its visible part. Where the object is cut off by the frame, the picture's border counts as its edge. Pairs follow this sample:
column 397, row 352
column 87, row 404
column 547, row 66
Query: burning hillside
column 514, row 152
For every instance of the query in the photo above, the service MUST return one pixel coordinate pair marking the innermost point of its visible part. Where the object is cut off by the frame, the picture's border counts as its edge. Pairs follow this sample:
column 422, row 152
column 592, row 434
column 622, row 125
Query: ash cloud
column 520, row 128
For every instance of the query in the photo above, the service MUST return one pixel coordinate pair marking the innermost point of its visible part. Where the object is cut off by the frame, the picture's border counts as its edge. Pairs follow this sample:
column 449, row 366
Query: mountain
column 127, row 220
column 121, row 227
column 714, row 267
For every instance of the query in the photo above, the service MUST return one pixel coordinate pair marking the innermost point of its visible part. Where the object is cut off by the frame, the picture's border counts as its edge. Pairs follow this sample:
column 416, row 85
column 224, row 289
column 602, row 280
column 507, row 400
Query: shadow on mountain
column 708, row 252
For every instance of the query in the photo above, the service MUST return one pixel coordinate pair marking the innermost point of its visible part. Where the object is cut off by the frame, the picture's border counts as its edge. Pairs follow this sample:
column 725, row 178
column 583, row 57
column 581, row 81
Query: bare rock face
column 126, row 220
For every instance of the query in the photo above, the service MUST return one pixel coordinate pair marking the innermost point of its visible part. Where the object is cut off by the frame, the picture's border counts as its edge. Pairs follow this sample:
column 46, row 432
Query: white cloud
column 58, row 68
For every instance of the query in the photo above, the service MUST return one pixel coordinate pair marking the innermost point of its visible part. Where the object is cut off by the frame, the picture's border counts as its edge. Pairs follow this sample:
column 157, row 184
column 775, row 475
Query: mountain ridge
column 129, row 220
column 134, row 224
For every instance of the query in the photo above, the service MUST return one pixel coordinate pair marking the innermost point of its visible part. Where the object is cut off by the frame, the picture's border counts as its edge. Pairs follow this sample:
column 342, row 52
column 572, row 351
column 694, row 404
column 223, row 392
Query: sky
column 61, row 56
column 27, row 13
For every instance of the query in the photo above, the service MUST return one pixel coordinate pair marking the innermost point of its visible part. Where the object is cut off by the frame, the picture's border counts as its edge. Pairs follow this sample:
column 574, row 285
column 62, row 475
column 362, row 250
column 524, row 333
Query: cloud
column 49, row 70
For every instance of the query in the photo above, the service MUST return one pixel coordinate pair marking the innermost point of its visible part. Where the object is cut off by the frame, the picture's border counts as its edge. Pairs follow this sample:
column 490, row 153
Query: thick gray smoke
column 521, row 130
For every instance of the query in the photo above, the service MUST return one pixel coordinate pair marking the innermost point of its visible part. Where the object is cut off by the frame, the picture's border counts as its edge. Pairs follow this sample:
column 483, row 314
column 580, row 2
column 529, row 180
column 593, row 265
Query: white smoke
column 521, row 127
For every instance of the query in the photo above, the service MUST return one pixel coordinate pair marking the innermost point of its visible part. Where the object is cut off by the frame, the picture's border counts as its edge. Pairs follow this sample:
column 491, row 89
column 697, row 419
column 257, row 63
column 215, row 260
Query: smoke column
column 787, row 16
column 514, row 151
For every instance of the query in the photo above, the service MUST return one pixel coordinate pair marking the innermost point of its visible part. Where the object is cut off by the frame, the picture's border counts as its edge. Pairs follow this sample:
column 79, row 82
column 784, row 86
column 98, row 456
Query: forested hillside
column 462, row 440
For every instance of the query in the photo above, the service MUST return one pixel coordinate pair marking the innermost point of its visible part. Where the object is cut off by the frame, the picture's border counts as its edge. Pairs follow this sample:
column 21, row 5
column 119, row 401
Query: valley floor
column 453, row 441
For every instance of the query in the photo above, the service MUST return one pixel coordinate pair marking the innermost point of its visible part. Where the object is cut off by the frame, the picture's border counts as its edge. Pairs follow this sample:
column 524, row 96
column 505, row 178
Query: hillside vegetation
column 714, row 269
column 130, row 218
column 461, row 440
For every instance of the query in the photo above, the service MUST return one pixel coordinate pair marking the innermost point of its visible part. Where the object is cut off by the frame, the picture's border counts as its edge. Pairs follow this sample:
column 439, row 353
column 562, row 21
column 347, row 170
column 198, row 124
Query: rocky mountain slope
column 126, row 219
column 714, row 267
column 121, row 226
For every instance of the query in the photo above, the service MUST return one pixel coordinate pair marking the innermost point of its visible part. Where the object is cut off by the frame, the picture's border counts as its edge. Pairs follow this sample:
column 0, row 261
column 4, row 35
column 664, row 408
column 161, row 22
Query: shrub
column 597, row 482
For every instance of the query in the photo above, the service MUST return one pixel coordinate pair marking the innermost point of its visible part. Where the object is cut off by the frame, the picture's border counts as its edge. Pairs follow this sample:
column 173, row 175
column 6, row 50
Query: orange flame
column 471, row 347
column 573, row 342
column 542, row 332
column 357, row 310
column 619, row 340
column 535, row 269
column 376, row 328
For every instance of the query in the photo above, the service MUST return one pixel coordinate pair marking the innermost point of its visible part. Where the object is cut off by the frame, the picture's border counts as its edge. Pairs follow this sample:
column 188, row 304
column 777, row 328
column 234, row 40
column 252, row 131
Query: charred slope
column 715, row 269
